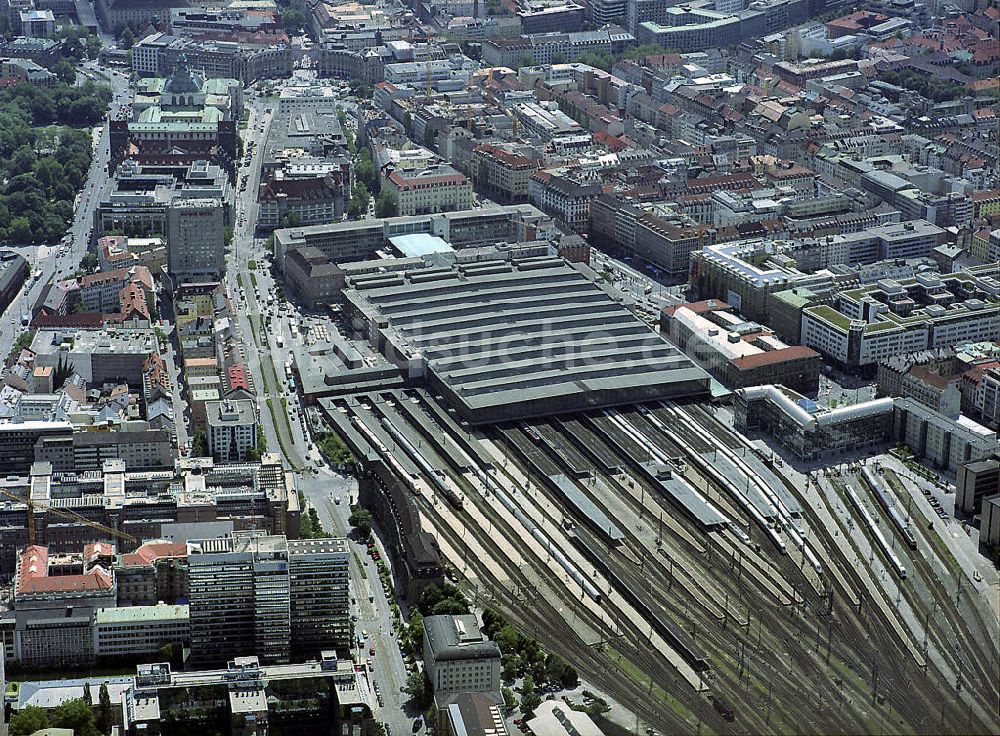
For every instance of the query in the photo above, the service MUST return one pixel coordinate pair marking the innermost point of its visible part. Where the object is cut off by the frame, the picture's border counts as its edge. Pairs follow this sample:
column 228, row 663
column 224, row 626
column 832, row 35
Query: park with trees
column 45, row 164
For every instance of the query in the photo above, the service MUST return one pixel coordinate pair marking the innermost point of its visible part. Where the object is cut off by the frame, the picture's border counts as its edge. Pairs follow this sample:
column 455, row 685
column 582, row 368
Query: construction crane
column 65, row 513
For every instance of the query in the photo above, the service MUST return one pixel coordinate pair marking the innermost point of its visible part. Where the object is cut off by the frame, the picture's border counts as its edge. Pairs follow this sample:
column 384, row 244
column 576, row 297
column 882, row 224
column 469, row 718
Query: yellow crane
column 65, row 513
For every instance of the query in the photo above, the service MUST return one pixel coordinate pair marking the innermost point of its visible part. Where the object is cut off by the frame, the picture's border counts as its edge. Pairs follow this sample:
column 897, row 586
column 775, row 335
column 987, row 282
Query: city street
column 375, row 616
column 285, row 433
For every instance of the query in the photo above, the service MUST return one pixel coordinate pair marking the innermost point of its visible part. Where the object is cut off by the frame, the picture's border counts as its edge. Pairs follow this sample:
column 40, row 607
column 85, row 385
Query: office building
column 153, row 572
column 564, row 196
column 974, row 482
column 131, row 632
column 253, row 594
column 458, row 658
column 814, row 433
column 896, row 317
column 738, row 352
column 13, row 273
column 38, row 23
column 325, row 697
column 318, row 571
column 137, row 199
column 196, row 240
column 193, row 500
column 438, row 188
column 360, row 240
column 18, row 440
column 231, row 429
column 97, row 356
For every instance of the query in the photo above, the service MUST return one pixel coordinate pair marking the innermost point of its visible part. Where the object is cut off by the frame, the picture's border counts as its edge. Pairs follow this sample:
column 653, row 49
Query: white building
column 135, row 631
column 905, row 316
column 313, row 98
column 231, row 429
column 437, row 188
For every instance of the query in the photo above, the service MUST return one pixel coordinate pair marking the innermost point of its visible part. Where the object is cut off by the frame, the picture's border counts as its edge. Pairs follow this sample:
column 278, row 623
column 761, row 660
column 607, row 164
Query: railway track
column 787, row 668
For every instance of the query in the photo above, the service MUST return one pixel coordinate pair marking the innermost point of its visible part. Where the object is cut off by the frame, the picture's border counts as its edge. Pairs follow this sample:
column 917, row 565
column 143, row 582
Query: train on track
column 677, row 639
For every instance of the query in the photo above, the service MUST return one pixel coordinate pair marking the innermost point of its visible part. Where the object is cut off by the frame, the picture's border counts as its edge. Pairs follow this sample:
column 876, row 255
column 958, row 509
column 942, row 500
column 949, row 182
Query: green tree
column 127, row 39
column 492, row 622
column 365, row 170
column 386, row 205
column 450, row 607
column 415, row 686
column 65, row 71
column 22, row 162
column 293, row 20
column 361, row 519
column 529, row 698
column 28, row 720
column 415, row 632
column 19, row 231
column 597, row 59
column 199, row 443
column 509, row 699
column 77, row 715
column 292, row 219
column 89, row 261
column 569, row 678
column 105, row 718
column 360, row 198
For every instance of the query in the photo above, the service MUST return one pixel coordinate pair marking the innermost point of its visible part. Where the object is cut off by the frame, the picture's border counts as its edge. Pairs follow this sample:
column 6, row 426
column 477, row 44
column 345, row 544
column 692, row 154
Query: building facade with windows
column 458, row 657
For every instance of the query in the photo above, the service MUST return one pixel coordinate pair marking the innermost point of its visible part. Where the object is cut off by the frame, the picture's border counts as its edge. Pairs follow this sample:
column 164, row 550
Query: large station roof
column 506, row 340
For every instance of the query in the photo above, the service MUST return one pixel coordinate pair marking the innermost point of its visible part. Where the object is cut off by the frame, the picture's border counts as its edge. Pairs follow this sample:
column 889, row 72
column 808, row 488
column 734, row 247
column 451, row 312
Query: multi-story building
column 101, row 292
column 318, row 583
column 131, row 632
column 945, row 442
column 115, row 15
column 607, row 11
column 137, row 199
column 744, row 273
column 87, row 451
column 322, row 697
column 97, row 356
column 54, row 598
column 502, row 173
column 308, row 195
column 563, row 197
column 18, row 441
column 148, row 505
column 812, row 433
column 439, row 188
column 359, row 240
column 974, row 482
column 231, row 429
column 458, row 657
column 13, row 273
column 546, row 121
column 196, row 240
column 249, row 59
column 38, row 23
column 738, row 352
column 155, row 571
column 545, row 16
column 244, row 601
column 898, row 317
